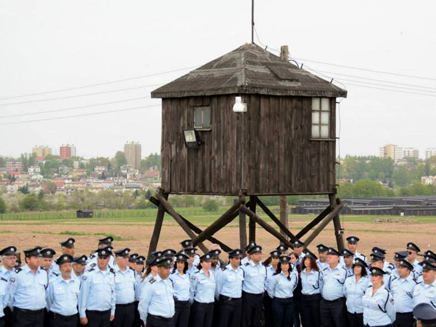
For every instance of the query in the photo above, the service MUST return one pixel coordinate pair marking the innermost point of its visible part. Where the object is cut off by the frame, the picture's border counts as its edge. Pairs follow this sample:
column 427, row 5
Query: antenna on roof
column 252, row 21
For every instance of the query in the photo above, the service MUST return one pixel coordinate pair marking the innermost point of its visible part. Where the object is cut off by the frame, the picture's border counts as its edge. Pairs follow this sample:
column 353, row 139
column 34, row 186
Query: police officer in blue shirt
column 156, row 306
column 352, row 243
column 412, row 251
column 267, row 300
column 97, row 293
column 229, row 291
column 322, row 256
column 182, row 287
column 124, row 290
column 102, row 243
column 8, row 258
column 348, row 261
column 79, row 264
column 253, row 288
column 4, row 296
column 425, row 292
column 27, row 288
column 387, row 266
column 63, row 295
column 402, row 289
column 333, row 302
column 188, row 245
column 377, row 260
column 67, row 247
column 47, row 261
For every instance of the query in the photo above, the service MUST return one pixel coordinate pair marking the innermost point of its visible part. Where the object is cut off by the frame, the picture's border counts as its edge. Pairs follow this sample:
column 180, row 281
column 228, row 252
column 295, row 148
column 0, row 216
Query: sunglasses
column 410, row 252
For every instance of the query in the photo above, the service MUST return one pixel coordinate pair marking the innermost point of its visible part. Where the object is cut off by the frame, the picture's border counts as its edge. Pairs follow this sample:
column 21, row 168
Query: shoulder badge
column 93, row 265
column 17, row 270
column 247, row 264
column 92, row 269
column 11, row 280
column 56, row 274
column 152, row 280
column 4, row 279
column 112, row 271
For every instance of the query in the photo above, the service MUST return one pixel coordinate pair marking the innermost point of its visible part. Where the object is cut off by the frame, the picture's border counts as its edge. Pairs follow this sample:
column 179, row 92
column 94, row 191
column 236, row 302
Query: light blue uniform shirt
column 63, row 296
column 6, row 274
column 334, row 279
column 402, row 291
column 388, row 267
column 417, row 268
column 157, row 299
column 354, row 292
column 425, row 294
column 311, row 283
column 4, row 296
column 229, row 282
column 254, row 278
column 97, row 292
column 92, row 262
column 27, row 290
column 387, row 279
column 203, row 287
column 321, row 265
column 124, row 286
column 378, row 310
column 270, row 271
column 181, row 285
column 282, row 287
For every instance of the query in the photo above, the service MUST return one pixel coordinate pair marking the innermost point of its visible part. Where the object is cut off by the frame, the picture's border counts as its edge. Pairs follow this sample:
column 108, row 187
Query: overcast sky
column 51, row 45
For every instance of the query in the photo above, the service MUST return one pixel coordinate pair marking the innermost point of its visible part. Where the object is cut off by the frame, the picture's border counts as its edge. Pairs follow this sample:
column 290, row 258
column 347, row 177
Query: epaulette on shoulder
column 92, row 265
column 344, row 268
column 17, row 270
column 247, row 264
column 112, row 270
column 92, row 269
column 363, row 255
column 152, row 280
column 92, row 256
column 326, row 268
column 4, row 279
column 56, row 274
column 391, row 266
column 131, row 268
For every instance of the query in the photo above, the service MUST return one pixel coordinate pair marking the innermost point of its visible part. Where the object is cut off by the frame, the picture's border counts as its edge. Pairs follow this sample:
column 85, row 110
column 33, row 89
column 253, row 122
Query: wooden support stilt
column 266, row 226
column 323, row 224
column 226, row 218
column 179, row 220
column 314, row 222
column 275, row 219
column 284, row 213
column 252, row 223
column 242, row 226
column 337, row 223
column 157, row 227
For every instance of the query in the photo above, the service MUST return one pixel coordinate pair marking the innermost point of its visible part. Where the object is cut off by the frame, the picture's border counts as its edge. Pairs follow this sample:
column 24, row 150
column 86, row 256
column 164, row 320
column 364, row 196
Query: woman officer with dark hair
column 182, row 287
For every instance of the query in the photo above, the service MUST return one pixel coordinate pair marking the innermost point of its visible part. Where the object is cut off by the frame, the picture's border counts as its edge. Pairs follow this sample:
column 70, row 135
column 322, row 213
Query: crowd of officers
column 180, row 289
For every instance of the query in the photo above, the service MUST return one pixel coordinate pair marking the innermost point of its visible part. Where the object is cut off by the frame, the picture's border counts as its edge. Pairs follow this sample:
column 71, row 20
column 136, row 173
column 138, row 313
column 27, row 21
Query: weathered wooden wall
column 267, row 150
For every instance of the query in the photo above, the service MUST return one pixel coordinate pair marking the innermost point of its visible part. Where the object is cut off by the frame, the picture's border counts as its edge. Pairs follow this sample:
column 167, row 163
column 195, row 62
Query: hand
column 84, row 321
column 112, row 317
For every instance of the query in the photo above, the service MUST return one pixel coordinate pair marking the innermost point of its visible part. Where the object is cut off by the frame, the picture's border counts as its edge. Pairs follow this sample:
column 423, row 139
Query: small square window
column 202, row 117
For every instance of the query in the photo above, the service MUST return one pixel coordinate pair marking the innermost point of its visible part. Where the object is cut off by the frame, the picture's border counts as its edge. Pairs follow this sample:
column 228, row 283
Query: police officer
column 182, row 287
column 46, row 262
column 253, row 288
column 267, row 300
column 298, row 249
column 156, row 306
column 378, row 304
column 398, row 256
column 138, row 288
column 425, row 314
column 132, row 260
column 377, row 260
column 124, row 290
column 63, row 295
column 246, row 259
column 97, row 293
column 354, row 288
column 102, row 243
column 425, row 292
column 188, row 244
column 67, row 247
column 202, row 294
column 79, row 264
column 412, row 251
column 190, row 252
column 333, row 302
column 4, row 296
column 9, row 258
column 322, row 256
column 215, row 263
column 387, row 266
column 229, row 291
column 27, row 288
column 348, row 261
column 402, row 289
column 352, row 243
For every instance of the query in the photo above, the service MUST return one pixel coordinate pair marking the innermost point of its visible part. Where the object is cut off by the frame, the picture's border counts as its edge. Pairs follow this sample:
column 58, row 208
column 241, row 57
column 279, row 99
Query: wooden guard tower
column 279, row 139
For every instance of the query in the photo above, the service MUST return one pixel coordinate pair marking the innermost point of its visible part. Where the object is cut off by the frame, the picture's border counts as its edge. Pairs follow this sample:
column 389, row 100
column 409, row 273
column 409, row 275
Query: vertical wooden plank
column 157, row 228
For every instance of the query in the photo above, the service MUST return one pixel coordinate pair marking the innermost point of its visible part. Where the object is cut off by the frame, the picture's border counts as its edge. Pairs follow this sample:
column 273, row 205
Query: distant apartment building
column 67, row 151
column 132, row 151
column 428, row 180
column 14, row 166
column 41, row 151
column 391, row 151
column 430, row 152
column 411, row 153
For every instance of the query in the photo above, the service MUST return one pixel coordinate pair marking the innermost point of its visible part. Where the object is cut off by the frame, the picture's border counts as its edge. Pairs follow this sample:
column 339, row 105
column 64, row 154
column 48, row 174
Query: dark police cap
column 169, row 253
column 187, row 243
column 428, row 265
column 347, row 253
column 18, row 263
column 10, row 250
column 250, row 245
column 430, row 256
column 152, row 261
column 400, row 255
column 206, row 257
column 285, row 259
column 413, row 247
column 47, row 253
column 156, row 254
column 35, row 252
column 80, row 260
column 133, row 257
column 107, row 240
column 378, row 250
column 298, row 244
column 140, row 260
column 190, row 251
column 255, row 249
column 124, row 253
column 322, row 248
column 68, row 243
column 406, row 264
column 333, row 251
column 182, row 257
column 377, row 271
column 310, row 255
column 282, row 248
column 164, row 262
column 104, row 252
column 236, row 253
column 275, row 254
column 377, row 257
column 215, row 253
column 360, row 262
column 353, row 239
column 425, row 312
column 64, row 258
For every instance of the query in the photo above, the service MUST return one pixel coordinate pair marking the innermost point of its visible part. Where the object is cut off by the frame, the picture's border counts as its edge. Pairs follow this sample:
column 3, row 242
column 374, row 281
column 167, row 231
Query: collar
column 229, row 266
column 309, row 273
column 331, row 269
column 253, row 264
column 26, row 269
